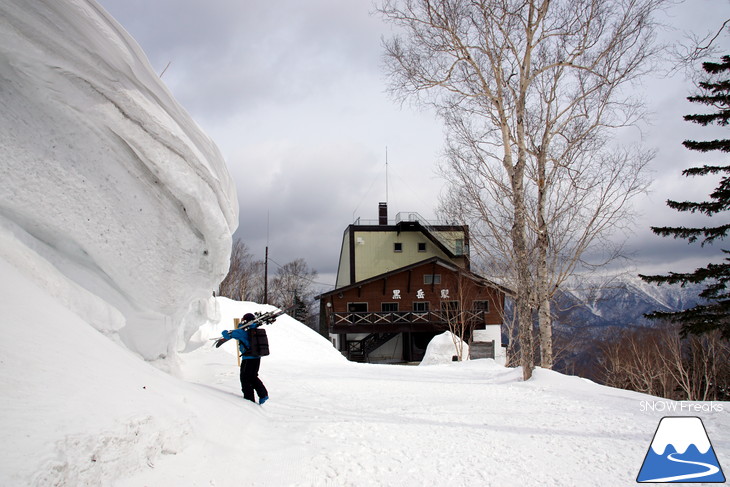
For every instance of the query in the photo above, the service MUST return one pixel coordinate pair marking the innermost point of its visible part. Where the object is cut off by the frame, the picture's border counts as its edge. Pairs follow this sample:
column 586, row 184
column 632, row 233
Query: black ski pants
column 250, row 381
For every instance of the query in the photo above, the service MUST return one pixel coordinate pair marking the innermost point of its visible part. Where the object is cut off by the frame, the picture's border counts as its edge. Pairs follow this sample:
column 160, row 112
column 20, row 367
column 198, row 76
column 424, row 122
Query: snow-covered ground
column 332, row 422
column 79, row 409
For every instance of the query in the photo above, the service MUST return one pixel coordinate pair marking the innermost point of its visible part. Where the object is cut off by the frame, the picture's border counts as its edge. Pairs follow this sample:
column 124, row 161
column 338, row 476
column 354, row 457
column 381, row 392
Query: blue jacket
column 244, row 339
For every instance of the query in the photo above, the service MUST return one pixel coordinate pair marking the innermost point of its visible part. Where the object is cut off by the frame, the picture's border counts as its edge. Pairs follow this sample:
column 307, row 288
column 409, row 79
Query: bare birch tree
column 457, row 312
column 528, row 90
column 240, row 280
column 294, row 282
column 658, row 361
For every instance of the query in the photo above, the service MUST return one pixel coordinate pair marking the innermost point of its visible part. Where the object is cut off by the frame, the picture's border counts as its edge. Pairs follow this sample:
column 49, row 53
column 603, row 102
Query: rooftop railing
column 455, row 245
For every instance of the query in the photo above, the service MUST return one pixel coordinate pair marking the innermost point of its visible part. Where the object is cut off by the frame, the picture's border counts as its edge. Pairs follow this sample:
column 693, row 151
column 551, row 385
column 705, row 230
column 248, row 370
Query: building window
column 459, row 247
column 397, row 247
column 420, row 306
column 451, row 306
column 357, row 307
column 450, row 310
column 421, row 246
column 481, row 306
column 388, row 307
column 432, row 278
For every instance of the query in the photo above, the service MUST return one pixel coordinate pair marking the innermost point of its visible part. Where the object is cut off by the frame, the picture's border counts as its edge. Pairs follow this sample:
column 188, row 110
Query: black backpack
column 259, row 343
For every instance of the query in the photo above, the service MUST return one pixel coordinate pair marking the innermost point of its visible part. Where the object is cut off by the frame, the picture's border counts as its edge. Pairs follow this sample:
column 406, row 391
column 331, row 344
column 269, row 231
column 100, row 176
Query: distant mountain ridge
column 591, row 313
column 619, row 302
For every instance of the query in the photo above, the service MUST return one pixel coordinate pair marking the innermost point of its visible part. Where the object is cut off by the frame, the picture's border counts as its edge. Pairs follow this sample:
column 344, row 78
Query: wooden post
column 236, row 322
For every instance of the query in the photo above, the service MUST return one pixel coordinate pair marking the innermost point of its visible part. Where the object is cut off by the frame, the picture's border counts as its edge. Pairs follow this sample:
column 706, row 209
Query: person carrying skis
column 250, row 363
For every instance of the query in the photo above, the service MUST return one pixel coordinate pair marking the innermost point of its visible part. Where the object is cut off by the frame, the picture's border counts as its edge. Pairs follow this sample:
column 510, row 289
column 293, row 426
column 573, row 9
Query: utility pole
column 266, row 276
column 266, row 263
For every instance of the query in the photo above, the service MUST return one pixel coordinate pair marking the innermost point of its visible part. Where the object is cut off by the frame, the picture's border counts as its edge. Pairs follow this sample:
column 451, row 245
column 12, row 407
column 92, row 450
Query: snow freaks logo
column 680, row 452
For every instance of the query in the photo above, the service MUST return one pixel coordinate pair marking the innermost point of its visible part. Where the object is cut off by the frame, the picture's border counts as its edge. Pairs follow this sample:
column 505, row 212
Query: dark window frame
column 425, row 305
column 432, row 278
column 481, row 305
column 357, row 304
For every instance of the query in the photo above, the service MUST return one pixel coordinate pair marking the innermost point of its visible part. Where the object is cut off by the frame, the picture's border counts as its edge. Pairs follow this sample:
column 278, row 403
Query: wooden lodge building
column 401, row 284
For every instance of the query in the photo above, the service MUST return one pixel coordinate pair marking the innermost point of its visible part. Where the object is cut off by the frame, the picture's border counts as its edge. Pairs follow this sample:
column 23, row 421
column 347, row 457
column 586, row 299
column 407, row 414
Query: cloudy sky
column 293, row 93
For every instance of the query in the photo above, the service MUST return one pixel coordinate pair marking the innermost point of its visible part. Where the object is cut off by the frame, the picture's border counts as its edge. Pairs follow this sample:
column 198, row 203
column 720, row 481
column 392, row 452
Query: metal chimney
column 382, row 213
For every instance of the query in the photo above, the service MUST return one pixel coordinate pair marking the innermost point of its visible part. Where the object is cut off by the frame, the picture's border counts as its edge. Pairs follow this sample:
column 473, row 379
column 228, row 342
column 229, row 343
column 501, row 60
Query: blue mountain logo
column 680, row 452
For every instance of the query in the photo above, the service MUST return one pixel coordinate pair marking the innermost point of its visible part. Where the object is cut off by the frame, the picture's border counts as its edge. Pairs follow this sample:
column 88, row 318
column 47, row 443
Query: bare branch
column 528, row 90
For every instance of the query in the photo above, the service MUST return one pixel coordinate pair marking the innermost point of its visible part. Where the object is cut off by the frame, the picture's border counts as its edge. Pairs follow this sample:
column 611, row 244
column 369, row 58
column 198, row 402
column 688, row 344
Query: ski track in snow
column 470, row 424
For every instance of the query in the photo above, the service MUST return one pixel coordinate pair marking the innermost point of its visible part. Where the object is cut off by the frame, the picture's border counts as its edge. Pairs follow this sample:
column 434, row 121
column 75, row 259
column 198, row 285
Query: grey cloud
column 293, row 94
column 228, row 57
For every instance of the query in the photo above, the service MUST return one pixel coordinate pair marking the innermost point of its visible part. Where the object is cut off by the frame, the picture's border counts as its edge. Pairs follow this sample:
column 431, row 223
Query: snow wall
column 111, row 197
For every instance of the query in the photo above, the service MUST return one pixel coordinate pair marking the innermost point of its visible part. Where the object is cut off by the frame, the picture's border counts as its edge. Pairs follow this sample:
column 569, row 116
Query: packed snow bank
column 442, row 348
column 105, row 177
column 69, row 394
column 289, row 340
column 78, row 409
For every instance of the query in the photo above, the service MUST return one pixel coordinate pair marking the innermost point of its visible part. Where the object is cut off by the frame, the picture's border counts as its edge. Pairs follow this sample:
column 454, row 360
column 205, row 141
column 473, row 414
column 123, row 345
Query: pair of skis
column 260, row 318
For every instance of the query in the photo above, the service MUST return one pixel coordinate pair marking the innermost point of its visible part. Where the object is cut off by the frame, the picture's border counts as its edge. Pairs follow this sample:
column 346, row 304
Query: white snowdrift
column 296, row 343
column 105, row 177
column 442, row 348
column 79, row 409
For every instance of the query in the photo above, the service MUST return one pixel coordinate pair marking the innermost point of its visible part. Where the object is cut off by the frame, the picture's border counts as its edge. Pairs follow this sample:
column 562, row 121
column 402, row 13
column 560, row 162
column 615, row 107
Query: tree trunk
column 524, row 283
column 542, row 286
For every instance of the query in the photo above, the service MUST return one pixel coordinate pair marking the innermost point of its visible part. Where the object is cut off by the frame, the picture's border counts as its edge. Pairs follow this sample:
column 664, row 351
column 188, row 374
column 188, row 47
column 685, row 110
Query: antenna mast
column 386, row 174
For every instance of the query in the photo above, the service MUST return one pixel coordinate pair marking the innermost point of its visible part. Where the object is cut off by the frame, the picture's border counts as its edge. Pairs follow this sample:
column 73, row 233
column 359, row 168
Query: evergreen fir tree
column 300, row 312
column 714, row 312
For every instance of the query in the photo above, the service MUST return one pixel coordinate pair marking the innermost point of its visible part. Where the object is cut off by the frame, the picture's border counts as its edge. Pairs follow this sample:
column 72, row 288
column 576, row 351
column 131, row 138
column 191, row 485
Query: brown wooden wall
column 410, row 282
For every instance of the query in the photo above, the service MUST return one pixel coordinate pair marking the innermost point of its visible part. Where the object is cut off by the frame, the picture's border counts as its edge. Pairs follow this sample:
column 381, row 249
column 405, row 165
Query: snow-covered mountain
column 111, row 197
column 619, row 302
column 594, row 311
